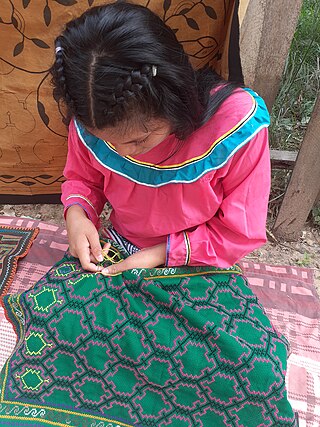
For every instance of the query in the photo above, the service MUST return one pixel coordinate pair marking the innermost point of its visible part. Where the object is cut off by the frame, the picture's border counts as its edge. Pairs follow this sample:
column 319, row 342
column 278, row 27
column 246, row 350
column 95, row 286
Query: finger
column 113, row 269
column 73, row 252
column 88, row 265
column 85, row 259
column 93, row 259
column 95, row 246
column 106, row 247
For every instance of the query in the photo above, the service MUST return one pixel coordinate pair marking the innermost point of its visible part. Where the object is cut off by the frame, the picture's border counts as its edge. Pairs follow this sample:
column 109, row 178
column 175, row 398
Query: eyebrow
column 135, row 140
column 138, row 139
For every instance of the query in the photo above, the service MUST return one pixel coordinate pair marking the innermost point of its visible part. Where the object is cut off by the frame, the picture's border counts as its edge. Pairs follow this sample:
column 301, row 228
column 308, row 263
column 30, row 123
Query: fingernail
column 100, row 258
column 105, row 271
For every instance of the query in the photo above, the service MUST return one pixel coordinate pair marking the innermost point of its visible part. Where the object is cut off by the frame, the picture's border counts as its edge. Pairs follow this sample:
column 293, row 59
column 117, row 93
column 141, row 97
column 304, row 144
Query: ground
column 303, row 253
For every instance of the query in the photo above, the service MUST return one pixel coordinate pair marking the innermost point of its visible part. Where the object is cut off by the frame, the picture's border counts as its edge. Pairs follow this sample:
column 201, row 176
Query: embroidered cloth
column 187, row 346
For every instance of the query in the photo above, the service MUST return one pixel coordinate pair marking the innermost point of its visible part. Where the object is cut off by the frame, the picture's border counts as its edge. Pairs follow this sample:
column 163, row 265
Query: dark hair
column 105, row 65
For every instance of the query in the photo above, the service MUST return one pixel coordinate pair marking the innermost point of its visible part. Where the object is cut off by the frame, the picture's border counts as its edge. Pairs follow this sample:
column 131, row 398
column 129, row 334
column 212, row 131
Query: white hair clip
column 58, row 49
column 154, row 70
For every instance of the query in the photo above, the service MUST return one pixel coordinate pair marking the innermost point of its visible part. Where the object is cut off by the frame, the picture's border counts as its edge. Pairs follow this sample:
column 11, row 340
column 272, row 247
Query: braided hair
column 119, row 62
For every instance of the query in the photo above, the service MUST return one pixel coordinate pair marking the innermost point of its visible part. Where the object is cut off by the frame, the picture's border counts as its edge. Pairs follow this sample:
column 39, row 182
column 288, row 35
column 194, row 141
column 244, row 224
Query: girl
column 181, row 156
column 183, row 159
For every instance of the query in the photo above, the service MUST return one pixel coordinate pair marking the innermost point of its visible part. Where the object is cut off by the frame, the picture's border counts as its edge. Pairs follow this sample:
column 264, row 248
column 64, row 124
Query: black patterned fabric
column 15, row 243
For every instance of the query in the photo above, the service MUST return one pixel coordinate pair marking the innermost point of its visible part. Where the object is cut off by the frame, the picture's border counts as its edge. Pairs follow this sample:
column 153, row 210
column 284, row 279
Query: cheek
column 149, row 144
column 156, row 140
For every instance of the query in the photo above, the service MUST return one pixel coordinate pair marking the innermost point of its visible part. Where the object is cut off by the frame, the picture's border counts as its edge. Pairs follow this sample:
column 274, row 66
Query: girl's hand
column 84, row 240
column 146, row 258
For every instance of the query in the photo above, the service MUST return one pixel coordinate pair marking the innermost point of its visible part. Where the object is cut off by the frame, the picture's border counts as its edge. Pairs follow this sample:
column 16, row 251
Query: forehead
column 130, row 130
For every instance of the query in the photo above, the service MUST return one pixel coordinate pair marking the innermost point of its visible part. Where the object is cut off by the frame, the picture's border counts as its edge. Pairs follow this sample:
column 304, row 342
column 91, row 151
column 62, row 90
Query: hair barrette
column 58, row 49
column 154, row 70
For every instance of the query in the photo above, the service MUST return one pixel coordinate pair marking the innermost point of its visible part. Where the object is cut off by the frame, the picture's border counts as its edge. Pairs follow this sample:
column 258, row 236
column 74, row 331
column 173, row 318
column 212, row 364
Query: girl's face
column 135, row 139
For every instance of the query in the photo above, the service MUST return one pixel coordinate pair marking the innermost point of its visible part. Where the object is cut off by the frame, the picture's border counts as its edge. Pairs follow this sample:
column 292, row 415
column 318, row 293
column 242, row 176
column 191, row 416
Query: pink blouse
column 207, row 200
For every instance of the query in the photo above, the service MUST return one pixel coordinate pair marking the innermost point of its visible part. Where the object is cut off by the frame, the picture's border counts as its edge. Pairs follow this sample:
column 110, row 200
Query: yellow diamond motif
column 35, row 343
column 45, row 299
column 31, row 379
column 65, row 269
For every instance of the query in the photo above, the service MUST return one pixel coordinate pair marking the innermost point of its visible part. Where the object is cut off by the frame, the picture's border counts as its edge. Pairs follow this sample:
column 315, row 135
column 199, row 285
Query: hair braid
column 59, row 79
column 129, row 86
column 90, row 89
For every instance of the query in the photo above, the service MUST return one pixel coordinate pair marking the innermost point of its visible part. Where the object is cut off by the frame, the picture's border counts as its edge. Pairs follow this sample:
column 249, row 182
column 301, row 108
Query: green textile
column 178, row 347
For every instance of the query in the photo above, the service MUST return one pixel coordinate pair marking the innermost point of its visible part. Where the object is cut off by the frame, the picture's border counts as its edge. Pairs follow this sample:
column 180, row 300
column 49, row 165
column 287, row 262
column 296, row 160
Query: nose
column 125, row 150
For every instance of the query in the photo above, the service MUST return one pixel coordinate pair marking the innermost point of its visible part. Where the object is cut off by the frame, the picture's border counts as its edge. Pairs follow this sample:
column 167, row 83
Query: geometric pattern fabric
column 178, row 347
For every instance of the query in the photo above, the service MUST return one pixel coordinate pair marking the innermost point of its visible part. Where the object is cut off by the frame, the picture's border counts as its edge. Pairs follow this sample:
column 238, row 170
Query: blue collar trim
column 215, row 158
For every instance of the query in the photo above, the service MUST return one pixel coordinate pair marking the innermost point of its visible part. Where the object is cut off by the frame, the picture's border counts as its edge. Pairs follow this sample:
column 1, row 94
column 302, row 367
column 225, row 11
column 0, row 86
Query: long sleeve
column 239, row 225
column 85, row 184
